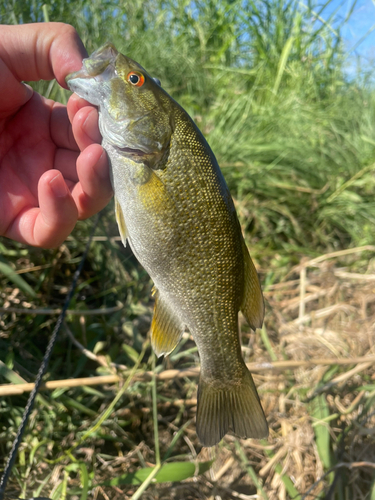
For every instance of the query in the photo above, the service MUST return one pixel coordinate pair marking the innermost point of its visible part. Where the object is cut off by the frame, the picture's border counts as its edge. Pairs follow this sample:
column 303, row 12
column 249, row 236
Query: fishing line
column 42, row 370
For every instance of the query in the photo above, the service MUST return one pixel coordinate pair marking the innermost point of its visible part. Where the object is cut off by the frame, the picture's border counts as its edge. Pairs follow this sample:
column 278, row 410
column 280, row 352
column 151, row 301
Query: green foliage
column 265, row 81
column 268, row 88
column 7, row 271
column 320, row 412
column 177, row 471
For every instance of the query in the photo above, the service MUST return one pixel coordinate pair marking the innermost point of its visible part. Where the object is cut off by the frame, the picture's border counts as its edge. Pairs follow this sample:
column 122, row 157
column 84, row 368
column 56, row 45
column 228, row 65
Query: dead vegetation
column 313, row 364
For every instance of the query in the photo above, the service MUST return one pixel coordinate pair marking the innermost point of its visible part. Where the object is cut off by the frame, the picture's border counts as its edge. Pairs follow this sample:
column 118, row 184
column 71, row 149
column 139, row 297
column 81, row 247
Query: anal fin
column 252, row 305
column 121, row 222
column 166, row 328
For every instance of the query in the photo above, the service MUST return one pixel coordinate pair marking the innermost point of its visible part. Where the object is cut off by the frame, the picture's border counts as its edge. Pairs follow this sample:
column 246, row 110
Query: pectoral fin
column 121, row 222
column 166, row 328
column 252, row 305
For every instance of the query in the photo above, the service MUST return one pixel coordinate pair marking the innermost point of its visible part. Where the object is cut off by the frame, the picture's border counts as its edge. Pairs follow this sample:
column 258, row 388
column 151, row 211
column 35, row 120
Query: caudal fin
column 229, row 408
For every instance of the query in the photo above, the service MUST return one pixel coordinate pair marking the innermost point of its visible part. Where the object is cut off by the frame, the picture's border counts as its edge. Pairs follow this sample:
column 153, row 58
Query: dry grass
column 322, row 313
column 321, row 415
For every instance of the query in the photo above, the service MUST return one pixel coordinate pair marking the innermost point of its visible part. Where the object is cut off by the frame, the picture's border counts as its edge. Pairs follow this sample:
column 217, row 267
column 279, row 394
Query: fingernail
column 28, row 92
column 90, row 127
column 59, row 188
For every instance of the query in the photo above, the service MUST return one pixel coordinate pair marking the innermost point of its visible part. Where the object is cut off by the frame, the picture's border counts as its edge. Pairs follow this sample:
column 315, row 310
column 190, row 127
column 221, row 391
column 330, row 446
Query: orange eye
column 136, row 79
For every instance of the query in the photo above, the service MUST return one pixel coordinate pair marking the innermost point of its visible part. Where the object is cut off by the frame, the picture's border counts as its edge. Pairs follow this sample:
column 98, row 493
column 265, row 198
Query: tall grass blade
column 7, row 271
column 372, row 491
column 45, row 13
column 283, row 60
column 320, row 411
column 84, row 481
column 362, row 39
column 155, row 411
column 105, row 414
column 250, row 470
column 172, row 472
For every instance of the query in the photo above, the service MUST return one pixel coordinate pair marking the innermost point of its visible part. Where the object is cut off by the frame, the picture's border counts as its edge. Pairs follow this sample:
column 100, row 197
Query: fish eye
column 136, row 79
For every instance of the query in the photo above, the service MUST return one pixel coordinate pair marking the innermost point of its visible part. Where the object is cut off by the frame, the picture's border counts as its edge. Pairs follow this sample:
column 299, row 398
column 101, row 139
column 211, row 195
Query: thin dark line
column 42, row 370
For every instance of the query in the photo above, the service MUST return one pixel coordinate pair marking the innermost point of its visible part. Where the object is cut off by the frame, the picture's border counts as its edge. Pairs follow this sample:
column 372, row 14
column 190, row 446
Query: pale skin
column 53, row 170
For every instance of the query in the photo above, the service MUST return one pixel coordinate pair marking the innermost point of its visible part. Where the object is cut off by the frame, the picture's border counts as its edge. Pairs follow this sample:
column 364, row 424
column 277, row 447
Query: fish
column 175, row 210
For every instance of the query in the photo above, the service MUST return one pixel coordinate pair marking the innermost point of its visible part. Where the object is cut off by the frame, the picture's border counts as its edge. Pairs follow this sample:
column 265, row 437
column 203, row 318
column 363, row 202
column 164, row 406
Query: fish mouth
column 100, row 66
column 132, row 151
column 150, row 158
column 93, row 82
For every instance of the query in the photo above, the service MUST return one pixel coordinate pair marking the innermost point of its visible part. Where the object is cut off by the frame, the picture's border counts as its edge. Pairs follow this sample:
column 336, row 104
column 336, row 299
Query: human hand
column 46, row 183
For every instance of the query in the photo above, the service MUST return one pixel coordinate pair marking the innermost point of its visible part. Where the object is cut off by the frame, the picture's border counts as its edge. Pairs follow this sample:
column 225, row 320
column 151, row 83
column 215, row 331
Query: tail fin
column 232, row 407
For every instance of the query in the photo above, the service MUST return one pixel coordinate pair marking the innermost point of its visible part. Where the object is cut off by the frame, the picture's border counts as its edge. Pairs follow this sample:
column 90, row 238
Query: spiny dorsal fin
column 252, row 305
column 166, row 328
column 229, row 407
column 121, row 222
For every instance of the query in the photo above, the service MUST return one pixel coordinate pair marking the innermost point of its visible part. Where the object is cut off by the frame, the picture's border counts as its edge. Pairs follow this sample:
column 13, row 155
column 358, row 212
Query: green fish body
column 175, row 210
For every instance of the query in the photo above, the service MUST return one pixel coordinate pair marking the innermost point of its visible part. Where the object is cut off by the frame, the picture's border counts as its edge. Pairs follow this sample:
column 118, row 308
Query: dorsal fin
column 252, row 305
column 166, row 328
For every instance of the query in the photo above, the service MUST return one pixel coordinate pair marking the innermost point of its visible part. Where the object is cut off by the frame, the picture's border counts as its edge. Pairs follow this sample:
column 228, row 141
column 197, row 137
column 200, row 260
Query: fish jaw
column 124, row 112
column 92, row 81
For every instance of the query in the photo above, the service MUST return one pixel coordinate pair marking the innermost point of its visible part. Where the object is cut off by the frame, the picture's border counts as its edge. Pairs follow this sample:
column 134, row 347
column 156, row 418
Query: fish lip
column 100, row 65
column 86, row 74
column 82, row 73
column 107, row 52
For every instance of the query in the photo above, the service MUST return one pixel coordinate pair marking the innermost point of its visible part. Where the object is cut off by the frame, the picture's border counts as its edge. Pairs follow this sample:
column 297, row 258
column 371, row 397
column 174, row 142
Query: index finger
column 41, row 51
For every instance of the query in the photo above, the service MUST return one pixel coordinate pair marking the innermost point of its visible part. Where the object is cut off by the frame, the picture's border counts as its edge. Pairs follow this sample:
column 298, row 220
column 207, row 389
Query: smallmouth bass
column 175, row 210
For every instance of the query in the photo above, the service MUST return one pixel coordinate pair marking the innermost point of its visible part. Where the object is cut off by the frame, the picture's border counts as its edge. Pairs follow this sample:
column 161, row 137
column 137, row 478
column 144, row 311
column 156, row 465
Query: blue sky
column 361, row 20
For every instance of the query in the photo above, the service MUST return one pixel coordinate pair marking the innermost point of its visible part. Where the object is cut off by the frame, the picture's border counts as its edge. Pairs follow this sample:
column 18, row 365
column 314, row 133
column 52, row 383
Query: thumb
column 41, row 51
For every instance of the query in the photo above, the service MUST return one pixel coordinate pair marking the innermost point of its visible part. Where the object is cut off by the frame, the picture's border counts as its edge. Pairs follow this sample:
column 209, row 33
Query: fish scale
column 175, row 210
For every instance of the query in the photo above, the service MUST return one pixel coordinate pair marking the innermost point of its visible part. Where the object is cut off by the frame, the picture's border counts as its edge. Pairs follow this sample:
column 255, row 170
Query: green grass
column 295, row 139
column 298, row 148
